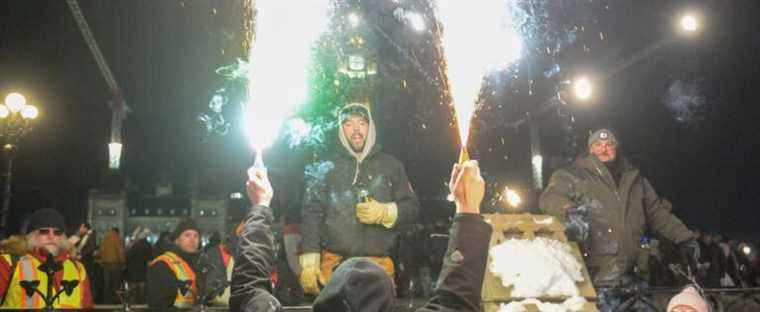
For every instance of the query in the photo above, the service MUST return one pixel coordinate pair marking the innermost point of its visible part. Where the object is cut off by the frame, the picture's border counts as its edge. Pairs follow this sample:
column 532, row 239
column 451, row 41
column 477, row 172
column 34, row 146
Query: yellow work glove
column 374, row 212
column 311, row 273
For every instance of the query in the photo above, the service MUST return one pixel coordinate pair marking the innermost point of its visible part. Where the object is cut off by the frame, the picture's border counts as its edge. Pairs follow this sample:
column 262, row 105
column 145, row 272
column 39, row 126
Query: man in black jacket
column 459, row 285
column 172, row 279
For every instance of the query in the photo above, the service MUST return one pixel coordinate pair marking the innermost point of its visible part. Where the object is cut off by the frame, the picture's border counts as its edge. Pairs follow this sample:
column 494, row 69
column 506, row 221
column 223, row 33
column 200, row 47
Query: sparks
column 476, row 35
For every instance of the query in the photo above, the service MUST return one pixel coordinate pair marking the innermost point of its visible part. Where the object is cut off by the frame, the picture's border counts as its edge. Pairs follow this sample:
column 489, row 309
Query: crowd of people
column 352, row 220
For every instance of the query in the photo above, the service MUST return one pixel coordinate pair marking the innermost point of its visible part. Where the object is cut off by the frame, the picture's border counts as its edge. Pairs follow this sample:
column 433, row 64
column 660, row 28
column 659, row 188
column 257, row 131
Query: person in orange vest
column 172, row 276
column 41, row 273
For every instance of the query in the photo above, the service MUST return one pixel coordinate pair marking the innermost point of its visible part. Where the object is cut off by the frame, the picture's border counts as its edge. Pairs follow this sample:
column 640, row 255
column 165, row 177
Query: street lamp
column 689, row 23
column 16, row 120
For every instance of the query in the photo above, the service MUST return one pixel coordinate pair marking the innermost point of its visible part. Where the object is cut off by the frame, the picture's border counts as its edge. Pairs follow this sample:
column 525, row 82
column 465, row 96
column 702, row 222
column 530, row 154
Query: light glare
column 4, row 111
column 114, row 155
column 353, row 19
column 417, row 22
column 747, row 250
column 583, row 88
column 513, row 198
column 689, row 23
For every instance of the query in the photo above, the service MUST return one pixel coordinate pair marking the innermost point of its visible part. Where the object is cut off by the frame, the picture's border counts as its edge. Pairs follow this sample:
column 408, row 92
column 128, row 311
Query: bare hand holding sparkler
column 467, row 186
column 258, row 187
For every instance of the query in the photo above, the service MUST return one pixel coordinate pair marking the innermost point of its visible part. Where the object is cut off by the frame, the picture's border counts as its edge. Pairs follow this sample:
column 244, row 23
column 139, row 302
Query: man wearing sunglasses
column 608, row 206
column 23, row 277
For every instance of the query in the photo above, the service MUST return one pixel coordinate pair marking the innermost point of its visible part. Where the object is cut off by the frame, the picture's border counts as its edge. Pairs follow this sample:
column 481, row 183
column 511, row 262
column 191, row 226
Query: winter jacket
column 459, row 285
column 334, row 187
column 111, row 252
column 251, row 286
column 618, row 214
column 138, row 257
column 163, row 285
column 213, row 264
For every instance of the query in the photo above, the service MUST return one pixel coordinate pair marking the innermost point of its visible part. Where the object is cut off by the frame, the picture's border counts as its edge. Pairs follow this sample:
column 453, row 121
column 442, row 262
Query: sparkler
column 279, row 59
column 477, row 35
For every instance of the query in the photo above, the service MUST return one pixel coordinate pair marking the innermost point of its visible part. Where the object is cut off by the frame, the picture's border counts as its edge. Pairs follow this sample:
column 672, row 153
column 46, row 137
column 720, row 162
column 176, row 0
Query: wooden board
column 527, row 226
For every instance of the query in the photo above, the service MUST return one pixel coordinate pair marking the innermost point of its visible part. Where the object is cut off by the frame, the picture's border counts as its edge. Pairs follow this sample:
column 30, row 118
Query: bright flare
column 15, row 101
column 746, row 250
column 476, row 35
column 583, row 88
column 689, row 23
column 279, row 61
column 4, row 111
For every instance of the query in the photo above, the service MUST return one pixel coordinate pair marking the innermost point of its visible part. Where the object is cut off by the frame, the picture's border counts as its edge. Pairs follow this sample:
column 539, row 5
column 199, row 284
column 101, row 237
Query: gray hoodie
column 329, row 213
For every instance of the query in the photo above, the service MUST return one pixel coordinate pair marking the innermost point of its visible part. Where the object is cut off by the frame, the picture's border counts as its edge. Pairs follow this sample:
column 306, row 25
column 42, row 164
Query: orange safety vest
column 26, row 270
column 184, row 273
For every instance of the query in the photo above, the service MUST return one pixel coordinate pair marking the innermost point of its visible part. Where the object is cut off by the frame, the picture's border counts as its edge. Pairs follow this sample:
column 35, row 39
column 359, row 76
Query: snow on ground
column 541, row 267
column 571, row 304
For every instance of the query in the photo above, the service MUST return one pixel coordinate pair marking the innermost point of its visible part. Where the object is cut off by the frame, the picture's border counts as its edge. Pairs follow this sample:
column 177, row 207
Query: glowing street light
column 15, row 102
column 16, row 118
column 29, row 112
column 583, row 88
column 689, row 23
column 746, row 250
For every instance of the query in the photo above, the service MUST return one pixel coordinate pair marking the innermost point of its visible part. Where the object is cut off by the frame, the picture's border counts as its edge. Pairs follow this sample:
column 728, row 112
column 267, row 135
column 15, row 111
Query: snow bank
column 541, row 267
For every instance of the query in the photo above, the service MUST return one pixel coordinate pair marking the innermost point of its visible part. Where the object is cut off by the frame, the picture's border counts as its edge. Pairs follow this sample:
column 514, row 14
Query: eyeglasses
column 608, row 144
column 48, row 231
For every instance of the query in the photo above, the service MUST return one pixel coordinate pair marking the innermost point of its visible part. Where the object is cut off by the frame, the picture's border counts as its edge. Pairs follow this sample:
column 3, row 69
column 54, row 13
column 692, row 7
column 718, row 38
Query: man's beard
column 360, row 147
column 52, row 248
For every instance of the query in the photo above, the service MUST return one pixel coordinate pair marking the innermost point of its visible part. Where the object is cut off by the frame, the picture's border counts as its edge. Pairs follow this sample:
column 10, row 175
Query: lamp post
column 16, row 120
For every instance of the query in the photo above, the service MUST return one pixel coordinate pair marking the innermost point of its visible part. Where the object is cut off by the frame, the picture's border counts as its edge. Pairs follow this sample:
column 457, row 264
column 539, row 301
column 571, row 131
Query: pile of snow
column 571, row 304
column 541, row 267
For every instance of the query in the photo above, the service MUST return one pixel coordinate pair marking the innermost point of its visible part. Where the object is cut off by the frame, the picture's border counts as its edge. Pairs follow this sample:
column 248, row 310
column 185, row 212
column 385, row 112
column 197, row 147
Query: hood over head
column 364, row 111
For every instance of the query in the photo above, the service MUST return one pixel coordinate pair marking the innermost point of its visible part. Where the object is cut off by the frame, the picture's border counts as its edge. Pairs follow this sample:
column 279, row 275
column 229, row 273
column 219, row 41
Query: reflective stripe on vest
column 26, row 270
column 184, row 273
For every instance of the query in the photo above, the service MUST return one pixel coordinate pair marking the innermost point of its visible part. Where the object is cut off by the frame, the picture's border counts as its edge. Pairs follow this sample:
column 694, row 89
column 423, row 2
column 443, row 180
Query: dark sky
column 163, row 54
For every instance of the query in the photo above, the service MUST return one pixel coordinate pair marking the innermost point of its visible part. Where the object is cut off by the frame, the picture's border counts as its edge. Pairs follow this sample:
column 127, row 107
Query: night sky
column 686, row 113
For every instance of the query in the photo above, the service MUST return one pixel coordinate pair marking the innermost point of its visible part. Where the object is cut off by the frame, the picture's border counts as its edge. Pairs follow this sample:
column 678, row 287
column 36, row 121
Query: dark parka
column 329, row 215
column 623, row 213
column 459, row 285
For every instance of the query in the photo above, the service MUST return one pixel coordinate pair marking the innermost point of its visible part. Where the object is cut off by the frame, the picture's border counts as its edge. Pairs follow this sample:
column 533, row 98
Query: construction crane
column 118, row 105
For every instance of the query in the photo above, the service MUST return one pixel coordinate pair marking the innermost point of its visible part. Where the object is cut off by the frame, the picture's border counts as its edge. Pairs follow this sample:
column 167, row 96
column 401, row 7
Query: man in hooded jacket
column 359, row 284
column 356, row 207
